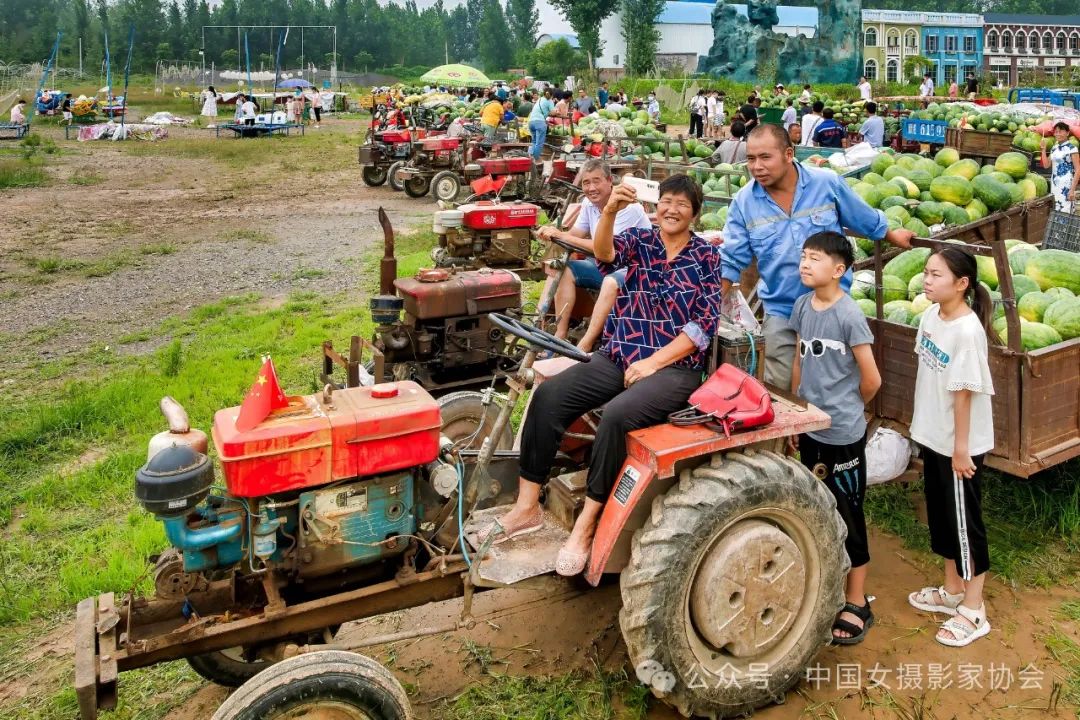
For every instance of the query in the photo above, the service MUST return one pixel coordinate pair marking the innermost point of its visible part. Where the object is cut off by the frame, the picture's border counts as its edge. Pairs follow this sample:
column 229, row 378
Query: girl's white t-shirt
column 952, row 356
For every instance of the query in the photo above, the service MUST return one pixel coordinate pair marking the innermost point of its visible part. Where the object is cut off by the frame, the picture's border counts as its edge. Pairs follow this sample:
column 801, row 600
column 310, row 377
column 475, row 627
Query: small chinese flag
column 264, row 396
column 487, row 184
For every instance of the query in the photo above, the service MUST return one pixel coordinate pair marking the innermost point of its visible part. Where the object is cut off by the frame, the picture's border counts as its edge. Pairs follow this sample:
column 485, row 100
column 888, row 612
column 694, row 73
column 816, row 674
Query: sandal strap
column 848, row 627
column 862, row 612
column 959, row 630
column 975, row 617
column 926, row 596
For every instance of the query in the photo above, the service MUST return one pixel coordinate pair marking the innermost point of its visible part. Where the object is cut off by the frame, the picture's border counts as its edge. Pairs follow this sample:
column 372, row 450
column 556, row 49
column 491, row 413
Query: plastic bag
column 735, row 307
column 887, row 456
column 855, row 156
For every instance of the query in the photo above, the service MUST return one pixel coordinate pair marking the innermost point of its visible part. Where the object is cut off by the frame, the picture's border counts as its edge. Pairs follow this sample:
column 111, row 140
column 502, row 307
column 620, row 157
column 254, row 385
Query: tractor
column 354, row 502
column 383, row 149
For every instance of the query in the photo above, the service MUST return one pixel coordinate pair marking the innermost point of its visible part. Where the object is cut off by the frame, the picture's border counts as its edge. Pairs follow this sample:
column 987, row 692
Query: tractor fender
column 626, row 510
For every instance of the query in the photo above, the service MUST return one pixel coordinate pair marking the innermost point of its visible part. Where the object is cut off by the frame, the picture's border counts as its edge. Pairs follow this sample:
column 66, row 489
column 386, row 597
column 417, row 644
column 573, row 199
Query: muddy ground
column 288, row 231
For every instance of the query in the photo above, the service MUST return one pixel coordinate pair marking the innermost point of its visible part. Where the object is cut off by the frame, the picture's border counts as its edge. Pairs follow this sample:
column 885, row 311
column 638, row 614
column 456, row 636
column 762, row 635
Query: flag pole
column 127, row 75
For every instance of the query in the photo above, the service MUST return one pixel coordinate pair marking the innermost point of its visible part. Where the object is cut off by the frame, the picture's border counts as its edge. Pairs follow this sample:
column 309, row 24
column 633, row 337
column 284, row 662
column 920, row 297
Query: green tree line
column 370, row 35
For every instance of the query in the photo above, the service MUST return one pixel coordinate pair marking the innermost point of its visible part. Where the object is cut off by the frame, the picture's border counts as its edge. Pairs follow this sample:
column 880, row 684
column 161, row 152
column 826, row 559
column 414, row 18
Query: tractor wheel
column 418, row 186
column 463, row 414
column 325, row 684
column 391, row 175
column 373, row 175
column 228, row 668
column 446, row 186
column 733, row 584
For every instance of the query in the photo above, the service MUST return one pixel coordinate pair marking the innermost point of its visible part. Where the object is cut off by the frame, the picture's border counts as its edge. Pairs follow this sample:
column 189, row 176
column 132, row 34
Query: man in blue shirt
column 829, row 133
column 602, row 95
column 771, row 217
column 873, row 128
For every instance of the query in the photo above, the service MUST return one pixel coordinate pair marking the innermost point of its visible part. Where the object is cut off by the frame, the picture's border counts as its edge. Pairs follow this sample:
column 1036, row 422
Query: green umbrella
column 456, row 75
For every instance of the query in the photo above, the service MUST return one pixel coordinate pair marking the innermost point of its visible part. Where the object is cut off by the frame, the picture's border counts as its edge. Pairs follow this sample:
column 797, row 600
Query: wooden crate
column 977, row 142
column 1036, row 405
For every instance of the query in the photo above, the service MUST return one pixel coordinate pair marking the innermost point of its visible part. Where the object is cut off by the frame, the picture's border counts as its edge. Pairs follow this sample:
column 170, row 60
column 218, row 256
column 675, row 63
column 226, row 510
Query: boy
column 834, row 369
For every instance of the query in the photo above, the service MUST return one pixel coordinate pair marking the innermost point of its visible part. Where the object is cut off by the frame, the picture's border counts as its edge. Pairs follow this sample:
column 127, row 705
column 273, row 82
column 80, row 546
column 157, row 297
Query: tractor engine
column 328, row 484
column 486, row 234
column 387, row 146
column 437, row 152
column 445, row 335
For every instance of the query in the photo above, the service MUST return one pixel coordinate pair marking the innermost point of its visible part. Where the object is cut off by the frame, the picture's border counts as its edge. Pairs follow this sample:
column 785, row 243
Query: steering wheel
column 537, row 337
column 572, row 248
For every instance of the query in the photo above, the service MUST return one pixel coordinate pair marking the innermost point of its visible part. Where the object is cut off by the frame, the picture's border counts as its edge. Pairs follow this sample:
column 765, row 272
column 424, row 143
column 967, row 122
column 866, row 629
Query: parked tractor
column 382, row 150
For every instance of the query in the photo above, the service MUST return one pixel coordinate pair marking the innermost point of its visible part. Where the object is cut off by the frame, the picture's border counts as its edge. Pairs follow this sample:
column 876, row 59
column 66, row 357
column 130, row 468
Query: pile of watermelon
column 1046, row 284
column 921, row 194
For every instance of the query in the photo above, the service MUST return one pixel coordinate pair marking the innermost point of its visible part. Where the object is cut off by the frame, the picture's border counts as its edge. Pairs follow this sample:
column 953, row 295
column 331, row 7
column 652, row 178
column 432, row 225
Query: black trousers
column 954, row 514
column 318, row 113
column 844, row 471
column 697, row 125
column 557, row 402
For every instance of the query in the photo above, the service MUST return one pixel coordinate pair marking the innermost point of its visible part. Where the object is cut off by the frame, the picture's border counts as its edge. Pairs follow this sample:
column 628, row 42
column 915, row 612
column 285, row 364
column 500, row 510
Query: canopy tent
column 456, row 75
column 294, row 83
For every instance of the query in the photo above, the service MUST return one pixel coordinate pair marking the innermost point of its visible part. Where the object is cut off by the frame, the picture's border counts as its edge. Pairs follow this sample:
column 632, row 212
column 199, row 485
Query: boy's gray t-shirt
column 829, row 376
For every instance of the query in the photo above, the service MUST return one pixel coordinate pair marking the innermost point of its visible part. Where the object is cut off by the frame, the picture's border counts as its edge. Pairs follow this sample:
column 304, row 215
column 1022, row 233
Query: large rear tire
column 418, row 186
column 326, row 684
column 733, row 584
column 373, row 175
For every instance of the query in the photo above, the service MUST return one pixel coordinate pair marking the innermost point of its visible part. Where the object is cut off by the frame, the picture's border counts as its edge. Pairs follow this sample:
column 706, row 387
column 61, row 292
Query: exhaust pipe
column 388, row 264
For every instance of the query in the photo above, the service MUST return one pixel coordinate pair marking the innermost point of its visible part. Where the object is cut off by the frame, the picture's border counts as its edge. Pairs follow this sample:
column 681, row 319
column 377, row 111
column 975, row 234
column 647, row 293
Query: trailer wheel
column 391, row 175
column 328, row 684
column 733, row 584
column 446, row 186
column 373, row 175
column 417, row 186
column 462, row 415
column 228, row 668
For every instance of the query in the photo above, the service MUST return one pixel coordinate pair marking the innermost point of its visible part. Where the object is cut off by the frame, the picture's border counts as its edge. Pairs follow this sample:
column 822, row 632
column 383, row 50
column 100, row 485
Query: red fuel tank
column 361, row 432
column 486, row 215
column 505, row 166
column 465, row 293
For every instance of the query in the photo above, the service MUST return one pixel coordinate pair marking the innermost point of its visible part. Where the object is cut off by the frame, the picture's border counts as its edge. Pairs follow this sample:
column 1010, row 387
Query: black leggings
column 557, row 402
column 697, row 125
column 318, row 113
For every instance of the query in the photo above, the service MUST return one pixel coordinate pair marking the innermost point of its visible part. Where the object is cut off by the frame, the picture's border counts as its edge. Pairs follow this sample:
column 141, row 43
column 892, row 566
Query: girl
column 1065, row 173
column 209, row 107
column 954, row 427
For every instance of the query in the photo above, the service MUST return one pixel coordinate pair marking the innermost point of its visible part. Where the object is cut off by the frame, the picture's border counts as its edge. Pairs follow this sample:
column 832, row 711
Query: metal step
column 515, row 560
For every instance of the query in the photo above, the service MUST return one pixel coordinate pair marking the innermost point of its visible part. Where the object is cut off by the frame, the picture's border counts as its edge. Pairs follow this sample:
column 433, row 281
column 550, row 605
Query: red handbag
column 729, row 400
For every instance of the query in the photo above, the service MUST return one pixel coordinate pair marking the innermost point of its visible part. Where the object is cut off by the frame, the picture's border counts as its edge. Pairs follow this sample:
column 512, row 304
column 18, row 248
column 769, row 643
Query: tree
column 457, row 34
column 585, row 17
column 915, row 65
column 555, row 60
column 496, row 49
column 524, row 21
column 640, row 33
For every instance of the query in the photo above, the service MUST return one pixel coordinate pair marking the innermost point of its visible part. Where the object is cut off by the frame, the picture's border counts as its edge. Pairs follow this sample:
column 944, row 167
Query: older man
column 770, row 219
column 596, row 184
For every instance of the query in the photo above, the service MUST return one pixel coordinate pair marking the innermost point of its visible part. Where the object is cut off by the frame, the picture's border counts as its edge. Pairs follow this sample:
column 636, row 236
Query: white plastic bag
column 887, row 456
column 735, row 307
column 855, row 156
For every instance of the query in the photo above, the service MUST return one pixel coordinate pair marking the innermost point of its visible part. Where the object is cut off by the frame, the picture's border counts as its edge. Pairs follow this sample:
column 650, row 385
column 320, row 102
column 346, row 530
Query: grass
column 22, row 173
column 85, row 177
column 247, row 235
column 1033, row 526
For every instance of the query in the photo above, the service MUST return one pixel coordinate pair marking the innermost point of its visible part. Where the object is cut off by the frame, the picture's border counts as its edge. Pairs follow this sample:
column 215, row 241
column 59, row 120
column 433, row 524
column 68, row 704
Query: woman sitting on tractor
column 651, row 358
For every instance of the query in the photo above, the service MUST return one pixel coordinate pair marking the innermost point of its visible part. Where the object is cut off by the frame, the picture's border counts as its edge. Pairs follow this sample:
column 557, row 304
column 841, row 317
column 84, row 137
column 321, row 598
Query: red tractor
column 351, row 503
column 432, row 156
column 382, row 150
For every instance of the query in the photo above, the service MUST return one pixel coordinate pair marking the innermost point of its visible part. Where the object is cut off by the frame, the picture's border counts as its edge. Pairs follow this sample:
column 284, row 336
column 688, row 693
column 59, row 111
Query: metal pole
column 80, row 56
column 202, row 53
column 302, row 65
column 237, row 48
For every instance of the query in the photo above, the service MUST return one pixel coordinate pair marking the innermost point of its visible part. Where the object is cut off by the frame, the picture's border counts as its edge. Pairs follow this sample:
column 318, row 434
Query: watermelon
column 1060, row 293
column 951, row 188
column 1016, row 193
column 976, row 209
column 1041, row 185
column 993, row 194
column 915, row 285
column 926, row 195
column 916, row 319
column 955, row 215
column 900, row 316
column 999, row 324
column 873, row 178
column 987, row 271
column 930, row 213
column 1064, row 317
column 906, row 265
column 1055, row 268
column 1028, row 189
column 899, row 212
column 947, row 156
column 890, row 189
column 910, row 189
column 897, row 304
column 866, row 245
column 1022, row 285
column 930, row 167
column 893, row 171
column 1003, row 178
column 1018, row 260
column 1033, row 336
column 862, row 284
column 1010, row 243
column 917, row 226
column 869, row 194
column 1033, row 306
column 966, row 168
column 893, row 201
column 893, row 289
column 920, row 303
column 1014, row 163
column 881, row 163
column 868, row 307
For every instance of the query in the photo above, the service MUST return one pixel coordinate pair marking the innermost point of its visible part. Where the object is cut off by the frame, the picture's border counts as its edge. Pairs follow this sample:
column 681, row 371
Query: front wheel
column 392, row 176
column 733, row 584
column 446, row 186
column 417, row 186
column 373, row 175
column 325, row 684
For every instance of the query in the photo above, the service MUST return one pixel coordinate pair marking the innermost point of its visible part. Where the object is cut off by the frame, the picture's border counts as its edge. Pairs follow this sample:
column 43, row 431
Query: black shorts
column 954, row 514
column 843, row 470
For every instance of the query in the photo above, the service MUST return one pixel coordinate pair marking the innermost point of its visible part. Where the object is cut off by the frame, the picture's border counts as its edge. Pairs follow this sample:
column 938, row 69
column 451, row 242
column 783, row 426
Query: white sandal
column 924, row 600
column 963, row 634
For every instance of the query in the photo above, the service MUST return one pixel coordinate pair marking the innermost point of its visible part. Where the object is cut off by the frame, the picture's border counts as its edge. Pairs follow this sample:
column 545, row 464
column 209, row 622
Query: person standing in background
column 602, row 96
column 209, row 106
column 864, row 90
column 873, row 128
column 972, row 86
column 788, row 117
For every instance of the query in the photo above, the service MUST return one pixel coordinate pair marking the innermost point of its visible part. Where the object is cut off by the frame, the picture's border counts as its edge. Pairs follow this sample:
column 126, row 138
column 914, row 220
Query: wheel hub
column 748, row 589
column 325, row 710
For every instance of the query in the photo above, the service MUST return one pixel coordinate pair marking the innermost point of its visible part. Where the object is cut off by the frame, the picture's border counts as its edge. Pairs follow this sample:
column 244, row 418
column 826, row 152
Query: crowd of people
column 300, row 108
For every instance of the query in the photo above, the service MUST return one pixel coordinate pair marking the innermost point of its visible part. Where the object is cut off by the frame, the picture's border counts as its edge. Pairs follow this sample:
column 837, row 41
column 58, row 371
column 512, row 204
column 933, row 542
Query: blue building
column 954, row 41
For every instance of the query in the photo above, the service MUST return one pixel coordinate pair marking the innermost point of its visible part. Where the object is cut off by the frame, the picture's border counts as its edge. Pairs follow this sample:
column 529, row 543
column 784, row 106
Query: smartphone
column 647, row 190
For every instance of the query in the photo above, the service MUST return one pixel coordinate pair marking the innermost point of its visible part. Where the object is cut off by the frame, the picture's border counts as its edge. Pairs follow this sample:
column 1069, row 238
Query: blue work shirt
column 757, row 227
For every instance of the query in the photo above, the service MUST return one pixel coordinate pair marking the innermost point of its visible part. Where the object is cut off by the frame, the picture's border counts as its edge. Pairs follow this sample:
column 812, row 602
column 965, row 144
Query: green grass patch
column 599, row 695
column 21, row 173
column 1066, row 651
column 83, row 176
column 157, row 249
column 306, row 273
column 103, row 267
column 247, row 235
column 1033, row 526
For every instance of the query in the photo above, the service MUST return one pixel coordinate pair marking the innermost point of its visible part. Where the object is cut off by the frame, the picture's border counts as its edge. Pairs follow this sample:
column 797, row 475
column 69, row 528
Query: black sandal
column 858, row 634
